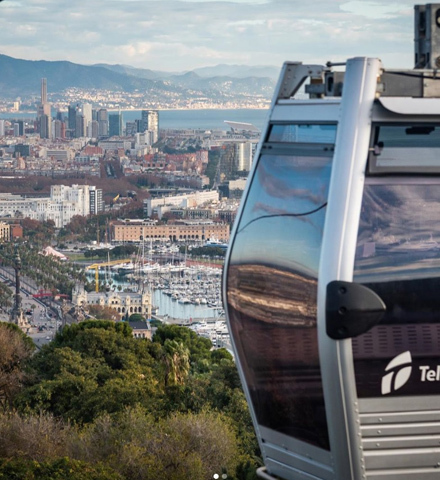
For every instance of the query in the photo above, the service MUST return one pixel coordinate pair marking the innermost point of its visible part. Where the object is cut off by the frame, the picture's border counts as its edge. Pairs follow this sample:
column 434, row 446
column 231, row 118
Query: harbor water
column 167, row 307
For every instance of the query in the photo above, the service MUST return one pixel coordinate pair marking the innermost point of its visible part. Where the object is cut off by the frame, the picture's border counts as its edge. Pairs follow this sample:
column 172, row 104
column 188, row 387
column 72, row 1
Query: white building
column 243, row 155
column 64, row 203
column 96, row 202
column 185, row 201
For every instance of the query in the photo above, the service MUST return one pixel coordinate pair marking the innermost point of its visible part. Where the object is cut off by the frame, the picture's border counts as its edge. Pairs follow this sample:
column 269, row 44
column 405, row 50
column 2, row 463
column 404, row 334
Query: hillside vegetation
column 98, row 404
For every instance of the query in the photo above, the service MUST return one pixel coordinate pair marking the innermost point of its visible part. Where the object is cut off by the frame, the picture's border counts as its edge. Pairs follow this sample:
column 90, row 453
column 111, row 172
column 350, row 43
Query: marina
column 181, row 294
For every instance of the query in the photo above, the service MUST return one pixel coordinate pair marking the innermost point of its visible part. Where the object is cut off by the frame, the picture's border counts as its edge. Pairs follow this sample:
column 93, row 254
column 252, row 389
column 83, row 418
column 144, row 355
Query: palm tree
column 176, row 361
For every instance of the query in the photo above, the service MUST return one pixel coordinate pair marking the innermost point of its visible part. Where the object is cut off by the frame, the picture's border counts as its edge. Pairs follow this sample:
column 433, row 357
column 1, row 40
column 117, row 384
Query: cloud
column 371, row 9
column 184, row 34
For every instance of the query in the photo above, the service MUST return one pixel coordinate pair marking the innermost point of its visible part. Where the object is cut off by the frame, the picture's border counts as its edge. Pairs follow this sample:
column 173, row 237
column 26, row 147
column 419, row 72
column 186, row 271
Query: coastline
column 177, row 109
column 183, row 119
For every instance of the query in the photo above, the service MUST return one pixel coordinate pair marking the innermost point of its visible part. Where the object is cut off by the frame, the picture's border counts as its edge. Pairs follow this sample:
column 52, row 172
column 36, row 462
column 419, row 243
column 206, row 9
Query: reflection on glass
column 294, row 133
column 398, row 257
column 399, row 232
column 272, row 288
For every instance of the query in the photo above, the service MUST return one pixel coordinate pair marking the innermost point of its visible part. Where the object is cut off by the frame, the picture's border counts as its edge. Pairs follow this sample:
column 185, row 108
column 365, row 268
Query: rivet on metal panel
column 377, row 444
column 380, row 420
column 379, row 432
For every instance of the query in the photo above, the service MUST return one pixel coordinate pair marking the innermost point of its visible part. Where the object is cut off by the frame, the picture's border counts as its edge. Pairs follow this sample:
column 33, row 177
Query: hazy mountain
column 225, row 84
column 222, row 70
column 136, row 72
column 239, row 71
column 23, row 77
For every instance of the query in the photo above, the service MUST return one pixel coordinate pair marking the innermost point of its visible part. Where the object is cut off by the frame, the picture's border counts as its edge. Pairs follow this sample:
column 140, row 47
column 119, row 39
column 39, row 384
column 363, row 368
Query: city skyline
column 180, row 35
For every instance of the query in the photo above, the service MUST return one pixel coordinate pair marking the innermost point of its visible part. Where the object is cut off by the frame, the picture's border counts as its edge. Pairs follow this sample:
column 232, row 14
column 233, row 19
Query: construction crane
column 97, row 266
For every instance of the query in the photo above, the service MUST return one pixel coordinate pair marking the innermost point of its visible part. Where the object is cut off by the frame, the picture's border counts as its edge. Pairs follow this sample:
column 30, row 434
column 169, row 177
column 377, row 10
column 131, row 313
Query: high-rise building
column 18, row 128
column 86, row 110
column 96, row 202
column 2, row 128
column 45, row 126
column 72, row 117
column 56, row 128
column 44, row 107
column 115, row 125
column 43, row 91
column 44, row 112
column 80, row 126
column 243, row 156
column 92, row 129
column 102, row 117
column 130, row 129
column 150, row 122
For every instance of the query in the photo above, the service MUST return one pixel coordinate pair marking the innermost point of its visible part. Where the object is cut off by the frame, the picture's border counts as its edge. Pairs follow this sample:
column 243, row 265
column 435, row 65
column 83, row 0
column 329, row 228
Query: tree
column 89, row 369
column 15, row 349
column 176, row 361
column 180, row 446
column 5, row 296
column 198, row 347
column 60, row 469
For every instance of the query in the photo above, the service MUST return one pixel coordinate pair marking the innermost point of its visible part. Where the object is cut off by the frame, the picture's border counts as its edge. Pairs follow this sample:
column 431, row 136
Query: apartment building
column 64, row 203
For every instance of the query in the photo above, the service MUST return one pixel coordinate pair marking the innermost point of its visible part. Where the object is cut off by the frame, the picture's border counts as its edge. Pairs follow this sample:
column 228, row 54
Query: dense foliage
column 104, row 404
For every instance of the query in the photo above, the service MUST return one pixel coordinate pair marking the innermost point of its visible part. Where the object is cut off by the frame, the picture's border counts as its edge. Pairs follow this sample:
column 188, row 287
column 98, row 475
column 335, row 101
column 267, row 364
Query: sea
column 205, row 119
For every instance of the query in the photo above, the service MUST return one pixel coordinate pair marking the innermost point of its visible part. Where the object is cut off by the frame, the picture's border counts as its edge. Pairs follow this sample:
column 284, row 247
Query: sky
column 180, row 35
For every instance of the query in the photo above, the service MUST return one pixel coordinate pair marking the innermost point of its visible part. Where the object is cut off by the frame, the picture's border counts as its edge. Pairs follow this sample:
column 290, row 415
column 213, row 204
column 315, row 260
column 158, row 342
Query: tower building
column 150, row 122
column 115, row 125
column 43, row 91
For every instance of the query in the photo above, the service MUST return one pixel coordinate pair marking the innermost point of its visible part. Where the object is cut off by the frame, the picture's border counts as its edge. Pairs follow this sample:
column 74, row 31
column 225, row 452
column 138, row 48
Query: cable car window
column 302, row 133
column 405, row 148
column 399, row 231
column 398, row 257
column 272, row 291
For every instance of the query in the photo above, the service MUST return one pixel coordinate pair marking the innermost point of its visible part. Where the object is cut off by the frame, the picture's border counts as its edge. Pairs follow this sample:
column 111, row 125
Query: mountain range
column 22, row 78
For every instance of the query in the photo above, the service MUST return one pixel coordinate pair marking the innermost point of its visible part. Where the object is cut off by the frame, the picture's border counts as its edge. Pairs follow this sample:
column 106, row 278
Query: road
column 44, row 323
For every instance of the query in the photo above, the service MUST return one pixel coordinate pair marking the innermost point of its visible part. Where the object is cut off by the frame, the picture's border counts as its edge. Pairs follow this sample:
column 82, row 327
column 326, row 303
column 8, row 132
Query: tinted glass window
column 399, row 232
column 405, row 148
column 272, row 292
column 398, row 257
column 305, row 133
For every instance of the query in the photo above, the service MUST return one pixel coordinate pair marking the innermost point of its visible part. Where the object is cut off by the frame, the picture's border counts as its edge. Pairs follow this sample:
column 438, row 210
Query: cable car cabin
column 332, row 277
